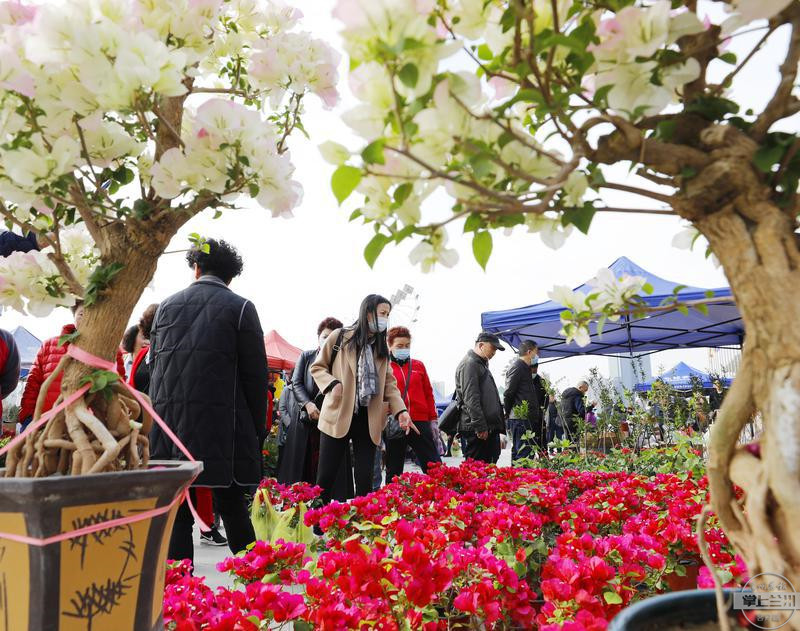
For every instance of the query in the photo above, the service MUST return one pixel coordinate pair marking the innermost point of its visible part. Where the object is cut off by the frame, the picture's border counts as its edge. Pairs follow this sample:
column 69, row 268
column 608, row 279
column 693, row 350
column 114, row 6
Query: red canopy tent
column 280, row 354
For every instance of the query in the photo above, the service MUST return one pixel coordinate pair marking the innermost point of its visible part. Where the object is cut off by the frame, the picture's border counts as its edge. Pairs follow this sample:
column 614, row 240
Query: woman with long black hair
column 353, row 371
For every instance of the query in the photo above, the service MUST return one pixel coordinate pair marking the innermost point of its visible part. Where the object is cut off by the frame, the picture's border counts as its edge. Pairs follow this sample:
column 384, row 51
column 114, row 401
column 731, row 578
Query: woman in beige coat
column 353, row 371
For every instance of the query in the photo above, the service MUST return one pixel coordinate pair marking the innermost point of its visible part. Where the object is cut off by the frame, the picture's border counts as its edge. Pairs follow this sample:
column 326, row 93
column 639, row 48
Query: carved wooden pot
column 109, row 580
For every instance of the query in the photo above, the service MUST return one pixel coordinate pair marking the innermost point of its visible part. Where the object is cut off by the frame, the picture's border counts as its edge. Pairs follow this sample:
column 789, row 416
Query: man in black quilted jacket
column 209, row 384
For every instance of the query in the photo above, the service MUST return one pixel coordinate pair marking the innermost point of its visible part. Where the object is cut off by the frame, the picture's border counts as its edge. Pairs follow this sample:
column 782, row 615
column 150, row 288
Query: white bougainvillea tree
column 521, row 109
column 120, row 120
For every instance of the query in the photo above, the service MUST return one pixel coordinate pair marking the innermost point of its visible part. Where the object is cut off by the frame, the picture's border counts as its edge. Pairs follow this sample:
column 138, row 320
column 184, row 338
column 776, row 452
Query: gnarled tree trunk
column 100, row 431
column 755, row 241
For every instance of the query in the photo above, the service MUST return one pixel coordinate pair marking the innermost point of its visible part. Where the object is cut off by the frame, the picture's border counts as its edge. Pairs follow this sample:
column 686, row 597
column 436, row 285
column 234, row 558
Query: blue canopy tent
column 720, row 327
column 681, row 377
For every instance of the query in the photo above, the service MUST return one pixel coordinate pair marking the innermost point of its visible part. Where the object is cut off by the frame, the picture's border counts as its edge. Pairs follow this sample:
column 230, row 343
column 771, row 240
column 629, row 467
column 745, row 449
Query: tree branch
column 232, row 91
column 778, row 106
column 660, row 156
column 727, row 80
column 85, row 211
column 446, row 176
column 667, row 199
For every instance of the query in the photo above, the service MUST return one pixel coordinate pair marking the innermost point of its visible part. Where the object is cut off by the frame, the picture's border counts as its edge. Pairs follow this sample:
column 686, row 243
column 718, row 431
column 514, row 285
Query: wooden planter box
column 108, row 580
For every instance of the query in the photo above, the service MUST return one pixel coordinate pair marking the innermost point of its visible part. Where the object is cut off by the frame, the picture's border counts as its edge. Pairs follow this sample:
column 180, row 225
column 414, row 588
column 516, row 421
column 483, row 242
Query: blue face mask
column 402, row 353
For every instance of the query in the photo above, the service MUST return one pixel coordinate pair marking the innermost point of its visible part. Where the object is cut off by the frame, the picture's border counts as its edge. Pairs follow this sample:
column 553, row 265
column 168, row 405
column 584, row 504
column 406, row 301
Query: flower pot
column 692, row 566
column 108, row 579
column 678, row 610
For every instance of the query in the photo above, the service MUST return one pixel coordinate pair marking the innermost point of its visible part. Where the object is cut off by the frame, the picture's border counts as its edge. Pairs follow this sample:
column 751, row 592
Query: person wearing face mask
column 521, row 390
column 353, row 371
column 300, row 455
column 414, row 384
column 482, row 418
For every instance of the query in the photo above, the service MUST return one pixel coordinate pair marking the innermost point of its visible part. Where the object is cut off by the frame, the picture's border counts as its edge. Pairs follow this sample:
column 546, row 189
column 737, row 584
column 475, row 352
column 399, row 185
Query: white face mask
column 383, row 324
column 322, row 339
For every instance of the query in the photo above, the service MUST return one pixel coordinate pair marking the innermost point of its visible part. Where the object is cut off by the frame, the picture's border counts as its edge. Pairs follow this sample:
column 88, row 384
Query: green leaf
column 484, row 52
column 141, row 208
column 612, row 598
column 709, row 293
column 68, row 338
column 375, row 247
column 482, row 247
column 647, row 288
column 123, row 175
column 473, row 223
column 344, row 181
column 683, row 309
column 373, row 152
column 702, row 309
column 409, row 75
column 402, row 192
column 666, row 129
column 581, row 218
column 765, row 157
column 687, row 172
column 481, row 165
column 411, row 43
column 355, row 215
column 728, row 58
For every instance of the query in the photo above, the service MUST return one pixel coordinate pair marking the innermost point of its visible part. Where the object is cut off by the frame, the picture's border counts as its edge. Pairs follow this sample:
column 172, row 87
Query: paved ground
column 206, row 557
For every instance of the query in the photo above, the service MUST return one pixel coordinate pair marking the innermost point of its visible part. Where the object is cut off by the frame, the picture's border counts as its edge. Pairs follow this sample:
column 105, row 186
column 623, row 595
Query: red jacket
column 419, row 400
column 46, row 361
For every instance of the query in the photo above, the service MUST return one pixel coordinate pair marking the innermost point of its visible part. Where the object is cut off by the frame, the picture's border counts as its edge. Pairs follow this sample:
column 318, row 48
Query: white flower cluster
column 609, row 296
column 219, row 136
column 30, row 281
column 639, row 32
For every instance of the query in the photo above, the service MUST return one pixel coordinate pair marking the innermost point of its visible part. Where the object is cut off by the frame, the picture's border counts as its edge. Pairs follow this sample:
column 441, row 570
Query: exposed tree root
column 94, row 434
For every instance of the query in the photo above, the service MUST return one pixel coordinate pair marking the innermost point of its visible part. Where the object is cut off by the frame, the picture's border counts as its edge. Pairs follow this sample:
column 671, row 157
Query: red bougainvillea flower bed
column 469, row 547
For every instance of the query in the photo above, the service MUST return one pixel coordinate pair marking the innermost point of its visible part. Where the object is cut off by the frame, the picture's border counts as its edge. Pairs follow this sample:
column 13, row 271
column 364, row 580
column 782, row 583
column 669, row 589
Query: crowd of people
column 357, row 399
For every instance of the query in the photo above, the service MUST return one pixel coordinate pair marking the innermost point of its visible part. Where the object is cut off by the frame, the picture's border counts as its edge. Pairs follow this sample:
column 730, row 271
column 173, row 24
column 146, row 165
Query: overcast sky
column 300, row 270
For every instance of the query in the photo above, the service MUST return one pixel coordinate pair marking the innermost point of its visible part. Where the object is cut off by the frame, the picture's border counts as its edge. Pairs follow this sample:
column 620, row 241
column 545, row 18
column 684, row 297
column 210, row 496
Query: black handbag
column 451, row 418
column 393, row 431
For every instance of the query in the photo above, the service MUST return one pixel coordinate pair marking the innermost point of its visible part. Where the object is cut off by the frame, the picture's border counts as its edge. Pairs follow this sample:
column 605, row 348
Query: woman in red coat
column 45, row 363
column 415, row 386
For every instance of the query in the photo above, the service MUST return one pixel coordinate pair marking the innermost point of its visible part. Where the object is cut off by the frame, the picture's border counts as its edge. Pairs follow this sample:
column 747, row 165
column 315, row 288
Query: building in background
column 724, row 361
column 626, row 372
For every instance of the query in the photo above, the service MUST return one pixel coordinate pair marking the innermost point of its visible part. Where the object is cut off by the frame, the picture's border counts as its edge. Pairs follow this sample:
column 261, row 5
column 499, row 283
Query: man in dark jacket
column 573, row 407
column 481, row 411
column 9, row 365
column 521, row 392
column 209, row 383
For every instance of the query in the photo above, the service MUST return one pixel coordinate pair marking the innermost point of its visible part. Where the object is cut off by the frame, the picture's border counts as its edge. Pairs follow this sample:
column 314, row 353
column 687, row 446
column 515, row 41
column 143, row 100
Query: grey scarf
column 367, row 377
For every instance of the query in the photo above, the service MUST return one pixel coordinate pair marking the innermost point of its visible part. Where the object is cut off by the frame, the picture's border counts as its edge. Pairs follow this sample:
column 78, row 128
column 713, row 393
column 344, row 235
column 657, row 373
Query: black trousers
column 522, row 447
column 332, row 451
column 231, row 506
column 484, row 450
column 424, row 447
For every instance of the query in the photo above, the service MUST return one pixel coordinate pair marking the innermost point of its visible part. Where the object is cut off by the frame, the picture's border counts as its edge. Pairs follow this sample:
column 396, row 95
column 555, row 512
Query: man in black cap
column 482, row 418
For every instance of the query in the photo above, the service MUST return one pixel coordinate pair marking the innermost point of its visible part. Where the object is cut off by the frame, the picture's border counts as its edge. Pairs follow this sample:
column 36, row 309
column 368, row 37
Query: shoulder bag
column 393, row 431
